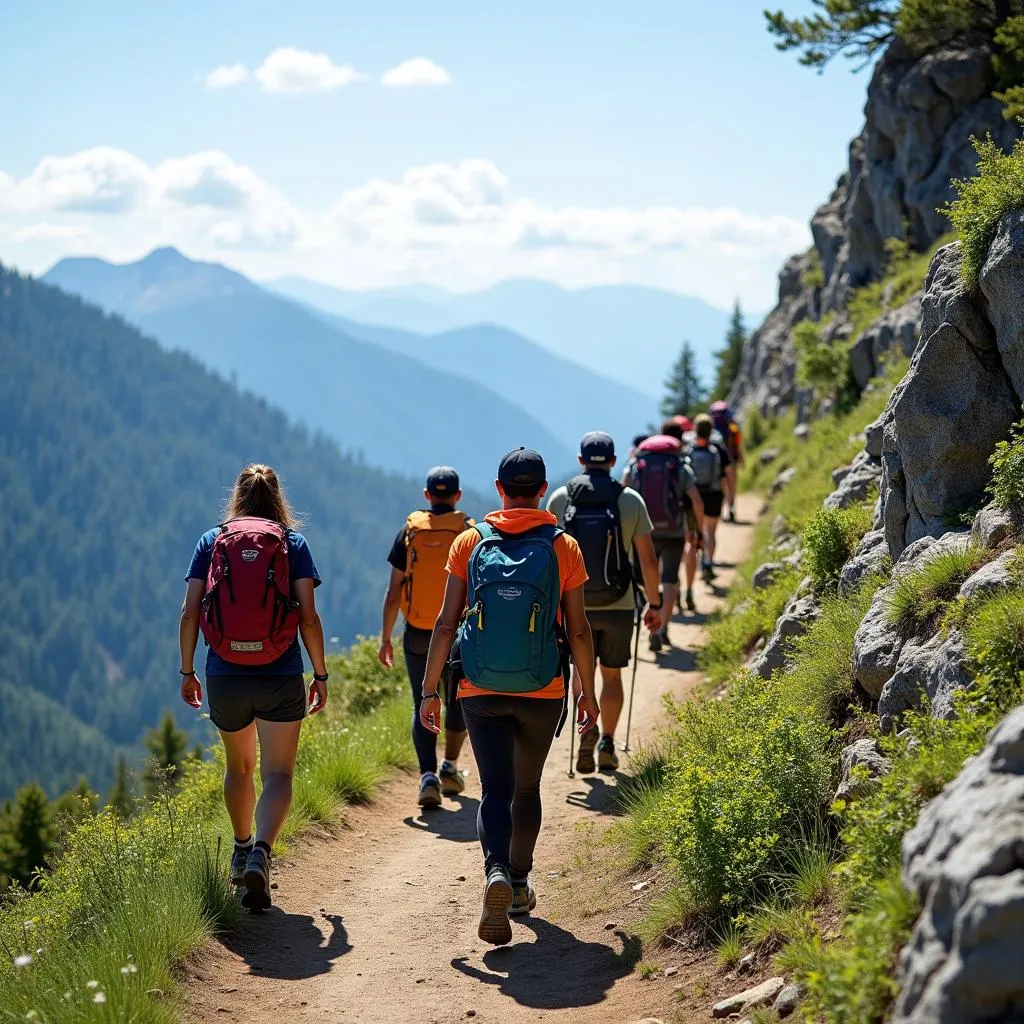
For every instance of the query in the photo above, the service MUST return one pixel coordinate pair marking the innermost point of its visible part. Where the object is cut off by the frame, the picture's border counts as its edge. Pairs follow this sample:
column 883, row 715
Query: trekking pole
column 572, row 733
column 632, row 685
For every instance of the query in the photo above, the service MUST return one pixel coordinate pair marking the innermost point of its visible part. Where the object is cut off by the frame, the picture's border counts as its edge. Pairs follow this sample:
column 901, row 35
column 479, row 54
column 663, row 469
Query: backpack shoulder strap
column 486, row 531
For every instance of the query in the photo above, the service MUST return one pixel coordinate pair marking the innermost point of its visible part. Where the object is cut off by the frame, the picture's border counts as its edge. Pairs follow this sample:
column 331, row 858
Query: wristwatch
column 323, row 678
column 655, row 607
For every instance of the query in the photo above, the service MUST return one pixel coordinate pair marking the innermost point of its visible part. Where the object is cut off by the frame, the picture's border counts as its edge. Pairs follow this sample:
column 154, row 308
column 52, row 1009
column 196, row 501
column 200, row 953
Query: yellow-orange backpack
column 428, row 539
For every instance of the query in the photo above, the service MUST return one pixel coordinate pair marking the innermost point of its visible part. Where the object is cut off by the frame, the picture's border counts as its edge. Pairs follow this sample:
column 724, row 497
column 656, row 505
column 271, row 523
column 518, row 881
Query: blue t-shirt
column 300, row 566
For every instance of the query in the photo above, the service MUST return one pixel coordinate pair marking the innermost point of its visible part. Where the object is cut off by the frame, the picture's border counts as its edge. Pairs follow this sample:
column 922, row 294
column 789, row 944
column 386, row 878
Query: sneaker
column 679, row 603
column 524, row 898
column 732, row 515
column 585, row 759
column 690, row 606
column 607, row 759
column 430, row 791
column 656, row 643
column 707, row 572
column 239, row 858
column 256, row 879
column 453, row 781
column 495, row 926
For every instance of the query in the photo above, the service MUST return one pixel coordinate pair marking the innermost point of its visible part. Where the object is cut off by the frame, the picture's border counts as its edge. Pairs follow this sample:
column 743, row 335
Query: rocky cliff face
column 919, row 118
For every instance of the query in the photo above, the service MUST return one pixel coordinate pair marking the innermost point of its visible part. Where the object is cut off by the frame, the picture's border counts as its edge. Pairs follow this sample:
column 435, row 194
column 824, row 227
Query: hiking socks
column 243, row 844
column 449, row 767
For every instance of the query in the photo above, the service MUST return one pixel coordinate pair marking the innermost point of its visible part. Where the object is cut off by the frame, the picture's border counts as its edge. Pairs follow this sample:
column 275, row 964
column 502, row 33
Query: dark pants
column 511, row 737
column 416, row 643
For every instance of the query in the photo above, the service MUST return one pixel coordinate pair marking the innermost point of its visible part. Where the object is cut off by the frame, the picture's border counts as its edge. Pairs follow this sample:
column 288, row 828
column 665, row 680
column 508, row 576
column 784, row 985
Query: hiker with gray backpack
column 709, row 463
column 613, row 529
column 513, row 615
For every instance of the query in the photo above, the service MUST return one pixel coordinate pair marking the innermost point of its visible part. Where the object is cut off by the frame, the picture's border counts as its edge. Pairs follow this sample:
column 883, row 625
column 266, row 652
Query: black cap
column 597, row 448
column 522, row 468
column 442, row 482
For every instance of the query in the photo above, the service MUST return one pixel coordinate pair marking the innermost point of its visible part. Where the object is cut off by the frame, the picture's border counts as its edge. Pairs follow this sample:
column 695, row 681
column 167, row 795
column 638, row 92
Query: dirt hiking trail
column 378, row 923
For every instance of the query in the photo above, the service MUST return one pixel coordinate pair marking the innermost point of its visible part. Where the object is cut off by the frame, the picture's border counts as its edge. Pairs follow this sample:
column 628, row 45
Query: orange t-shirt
column 572, row 573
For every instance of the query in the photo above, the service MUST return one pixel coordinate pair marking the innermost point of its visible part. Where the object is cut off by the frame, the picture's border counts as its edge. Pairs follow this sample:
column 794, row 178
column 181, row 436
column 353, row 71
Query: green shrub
column 729, row 948
column 821, row 365
column 1007, row 462
column 814, row 275
column 994, row 644
column 748, row 775
column 368, row 684
column 755, row 429
column 983, row 201
column 919, row 595
column 830, row 538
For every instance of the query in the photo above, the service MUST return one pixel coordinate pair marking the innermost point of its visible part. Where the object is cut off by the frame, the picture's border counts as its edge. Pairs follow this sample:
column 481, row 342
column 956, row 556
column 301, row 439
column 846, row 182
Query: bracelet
column 655, row 607
column 431, row 696
column 182, row 672
column 323, row 678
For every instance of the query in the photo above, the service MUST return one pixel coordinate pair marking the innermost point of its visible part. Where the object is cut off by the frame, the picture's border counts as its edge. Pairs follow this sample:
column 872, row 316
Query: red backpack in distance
column 248, row 614
column 656, row 477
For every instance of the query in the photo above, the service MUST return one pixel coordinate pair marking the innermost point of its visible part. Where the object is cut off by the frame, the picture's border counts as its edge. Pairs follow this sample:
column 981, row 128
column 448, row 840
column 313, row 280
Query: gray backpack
column 706, row 464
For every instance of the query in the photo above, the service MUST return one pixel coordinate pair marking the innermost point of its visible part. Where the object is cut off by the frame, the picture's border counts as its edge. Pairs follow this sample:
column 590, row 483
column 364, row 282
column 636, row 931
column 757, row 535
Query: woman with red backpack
column 250, row 588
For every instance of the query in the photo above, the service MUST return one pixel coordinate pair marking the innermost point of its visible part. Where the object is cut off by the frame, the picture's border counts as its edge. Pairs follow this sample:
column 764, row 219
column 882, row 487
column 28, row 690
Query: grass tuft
column 729, row 948
column 920, row 595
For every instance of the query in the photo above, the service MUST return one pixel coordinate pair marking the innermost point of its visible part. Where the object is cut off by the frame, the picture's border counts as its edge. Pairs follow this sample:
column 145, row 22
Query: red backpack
column 248, row 614
column 656, row 477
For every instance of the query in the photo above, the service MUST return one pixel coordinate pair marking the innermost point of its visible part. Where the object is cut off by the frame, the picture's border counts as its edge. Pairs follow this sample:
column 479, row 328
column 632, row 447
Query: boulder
column 768, row 455
column 896, row 330
column 991, row 527
column 750, row 999
column 963, row 860
column 766, row 575
column 935, row 668
column 783, row 480
column 873, row 438
column 795, row 620
column 996, row 575
column 870, row 557
column 1000, row 282
column 864, row 754
column 780, row 528
column 856, row 483
column 877, row 646
column 787, row 1000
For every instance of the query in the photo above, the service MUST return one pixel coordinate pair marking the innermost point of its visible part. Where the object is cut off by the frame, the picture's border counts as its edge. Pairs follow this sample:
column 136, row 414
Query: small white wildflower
column 39, row 951
column 129, row 969
column 31, row 1015
column 92, row 984
column 28, row 924
column 25, row 960
column 99, row 998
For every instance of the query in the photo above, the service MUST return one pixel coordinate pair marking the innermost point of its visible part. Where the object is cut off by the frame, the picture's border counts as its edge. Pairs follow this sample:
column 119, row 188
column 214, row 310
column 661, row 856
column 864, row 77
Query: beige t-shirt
column 635, row 523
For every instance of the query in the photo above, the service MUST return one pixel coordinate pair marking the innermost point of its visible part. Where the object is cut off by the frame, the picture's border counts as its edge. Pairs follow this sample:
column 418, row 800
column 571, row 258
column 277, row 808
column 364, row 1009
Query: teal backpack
column 510, row 639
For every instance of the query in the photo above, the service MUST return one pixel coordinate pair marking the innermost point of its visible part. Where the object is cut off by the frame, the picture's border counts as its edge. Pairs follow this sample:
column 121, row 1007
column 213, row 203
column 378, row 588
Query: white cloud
column 289, row 70
column 459, row 225
column 415, row 71
column 226, row 76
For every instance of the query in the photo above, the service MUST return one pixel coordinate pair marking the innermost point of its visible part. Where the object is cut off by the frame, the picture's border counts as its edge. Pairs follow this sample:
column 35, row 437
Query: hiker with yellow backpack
column 416, row 588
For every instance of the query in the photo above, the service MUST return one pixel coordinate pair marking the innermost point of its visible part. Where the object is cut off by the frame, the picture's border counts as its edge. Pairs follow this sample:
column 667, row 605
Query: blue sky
column 667, row 143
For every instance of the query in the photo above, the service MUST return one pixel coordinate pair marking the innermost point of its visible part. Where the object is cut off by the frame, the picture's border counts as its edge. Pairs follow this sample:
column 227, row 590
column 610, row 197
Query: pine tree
column 122, row 794
column 731, row 356
column 167, row 746
column 684, row 389
column 77, row 803
column 29, row 835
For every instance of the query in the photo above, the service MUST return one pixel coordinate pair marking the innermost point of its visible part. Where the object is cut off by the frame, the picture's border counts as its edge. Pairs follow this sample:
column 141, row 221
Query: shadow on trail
column 557, row 972
column 678, row 658
column 288, row 946
column 457, row 826
column 602, row 796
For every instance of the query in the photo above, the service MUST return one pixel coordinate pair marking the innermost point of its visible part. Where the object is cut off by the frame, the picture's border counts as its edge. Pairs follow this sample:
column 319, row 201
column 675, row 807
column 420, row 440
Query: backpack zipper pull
column 479, row 616
column 533, row 618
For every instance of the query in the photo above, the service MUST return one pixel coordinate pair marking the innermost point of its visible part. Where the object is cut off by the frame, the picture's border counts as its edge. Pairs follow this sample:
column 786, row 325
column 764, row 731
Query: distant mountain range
column 629, row 332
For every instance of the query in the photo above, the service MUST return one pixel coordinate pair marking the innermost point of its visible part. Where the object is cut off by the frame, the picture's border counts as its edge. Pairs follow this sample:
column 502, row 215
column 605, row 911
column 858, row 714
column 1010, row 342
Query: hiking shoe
column 453, row 781
column 690, row 606
column 495, row 926
column 256, row 879
column 732, row 515
column 239, row 858
column 524, row 899
column 656, row 643
column 707, row 573
column 607, row 759
column 585, row 758
column 430, row 791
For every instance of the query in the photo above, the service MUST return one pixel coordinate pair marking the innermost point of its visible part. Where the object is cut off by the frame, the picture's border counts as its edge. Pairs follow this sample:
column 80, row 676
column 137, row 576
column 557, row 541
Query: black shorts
column 613, row 636
column 670, row 554
column 712, row 503
column 237, row 701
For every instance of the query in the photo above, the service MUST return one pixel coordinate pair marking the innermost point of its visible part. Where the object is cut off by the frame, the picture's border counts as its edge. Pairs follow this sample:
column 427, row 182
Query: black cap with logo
column 597, row 448
column 522, row 468
column 442, row 482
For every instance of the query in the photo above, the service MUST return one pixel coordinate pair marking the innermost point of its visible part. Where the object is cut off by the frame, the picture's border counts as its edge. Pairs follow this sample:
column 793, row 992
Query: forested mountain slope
column 398, row 413
column 115, row 455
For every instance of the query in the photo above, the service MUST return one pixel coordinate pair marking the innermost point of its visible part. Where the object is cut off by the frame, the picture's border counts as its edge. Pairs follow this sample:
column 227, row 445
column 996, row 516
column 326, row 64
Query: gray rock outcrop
column 866, row 756
column 965, row 861
column 991, row 527
column 871, row 557
column 855, row 482
column 877, row 646
column 996, row 575
column 794, row 621
column 935, row 667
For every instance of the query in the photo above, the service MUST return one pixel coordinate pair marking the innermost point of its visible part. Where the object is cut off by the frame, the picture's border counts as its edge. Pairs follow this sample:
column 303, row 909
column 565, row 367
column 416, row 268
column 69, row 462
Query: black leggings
column 511, row 737
column 416, row 644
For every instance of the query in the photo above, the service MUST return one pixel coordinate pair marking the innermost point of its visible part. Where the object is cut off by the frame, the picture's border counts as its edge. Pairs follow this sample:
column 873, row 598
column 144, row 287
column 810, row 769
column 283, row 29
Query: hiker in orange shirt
column 513, row 610
column 416, row 587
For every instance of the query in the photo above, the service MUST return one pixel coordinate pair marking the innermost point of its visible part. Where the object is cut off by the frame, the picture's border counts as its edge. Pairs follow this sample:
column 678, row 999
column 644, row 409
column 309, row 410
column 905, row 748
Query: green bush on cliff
column 830, row 538
column 1007, row 462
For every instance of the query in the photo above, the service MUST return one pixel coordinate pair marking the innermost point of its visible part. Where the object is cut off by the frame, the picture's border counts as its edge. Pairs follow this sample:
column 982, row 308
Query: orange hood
column 519, row 520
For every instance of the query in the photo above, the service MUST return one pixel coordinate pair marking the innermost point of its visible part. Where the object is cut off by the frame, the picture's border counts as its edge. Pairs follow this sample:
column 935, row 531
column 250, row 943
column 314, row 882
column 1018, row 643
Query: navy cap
column 522, row 468
column 597, row 448
column 442, row 482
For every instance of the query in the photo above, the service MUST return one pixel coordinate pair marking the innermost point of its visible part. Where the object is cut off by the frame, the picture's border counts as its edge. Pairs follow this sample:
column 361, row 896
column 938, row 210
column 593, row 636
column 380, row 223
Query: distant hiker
column 721, row 417
column 250, row 589
column 418, row 559
column 660, row 473
column 709, row 463
column 523, row 578
column 609, row 522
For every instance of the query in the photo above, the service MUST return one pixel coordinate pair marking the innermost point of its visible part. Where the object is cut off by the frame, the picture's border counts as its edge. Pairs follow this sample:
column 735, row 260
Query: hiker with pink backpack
column 249, row 588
